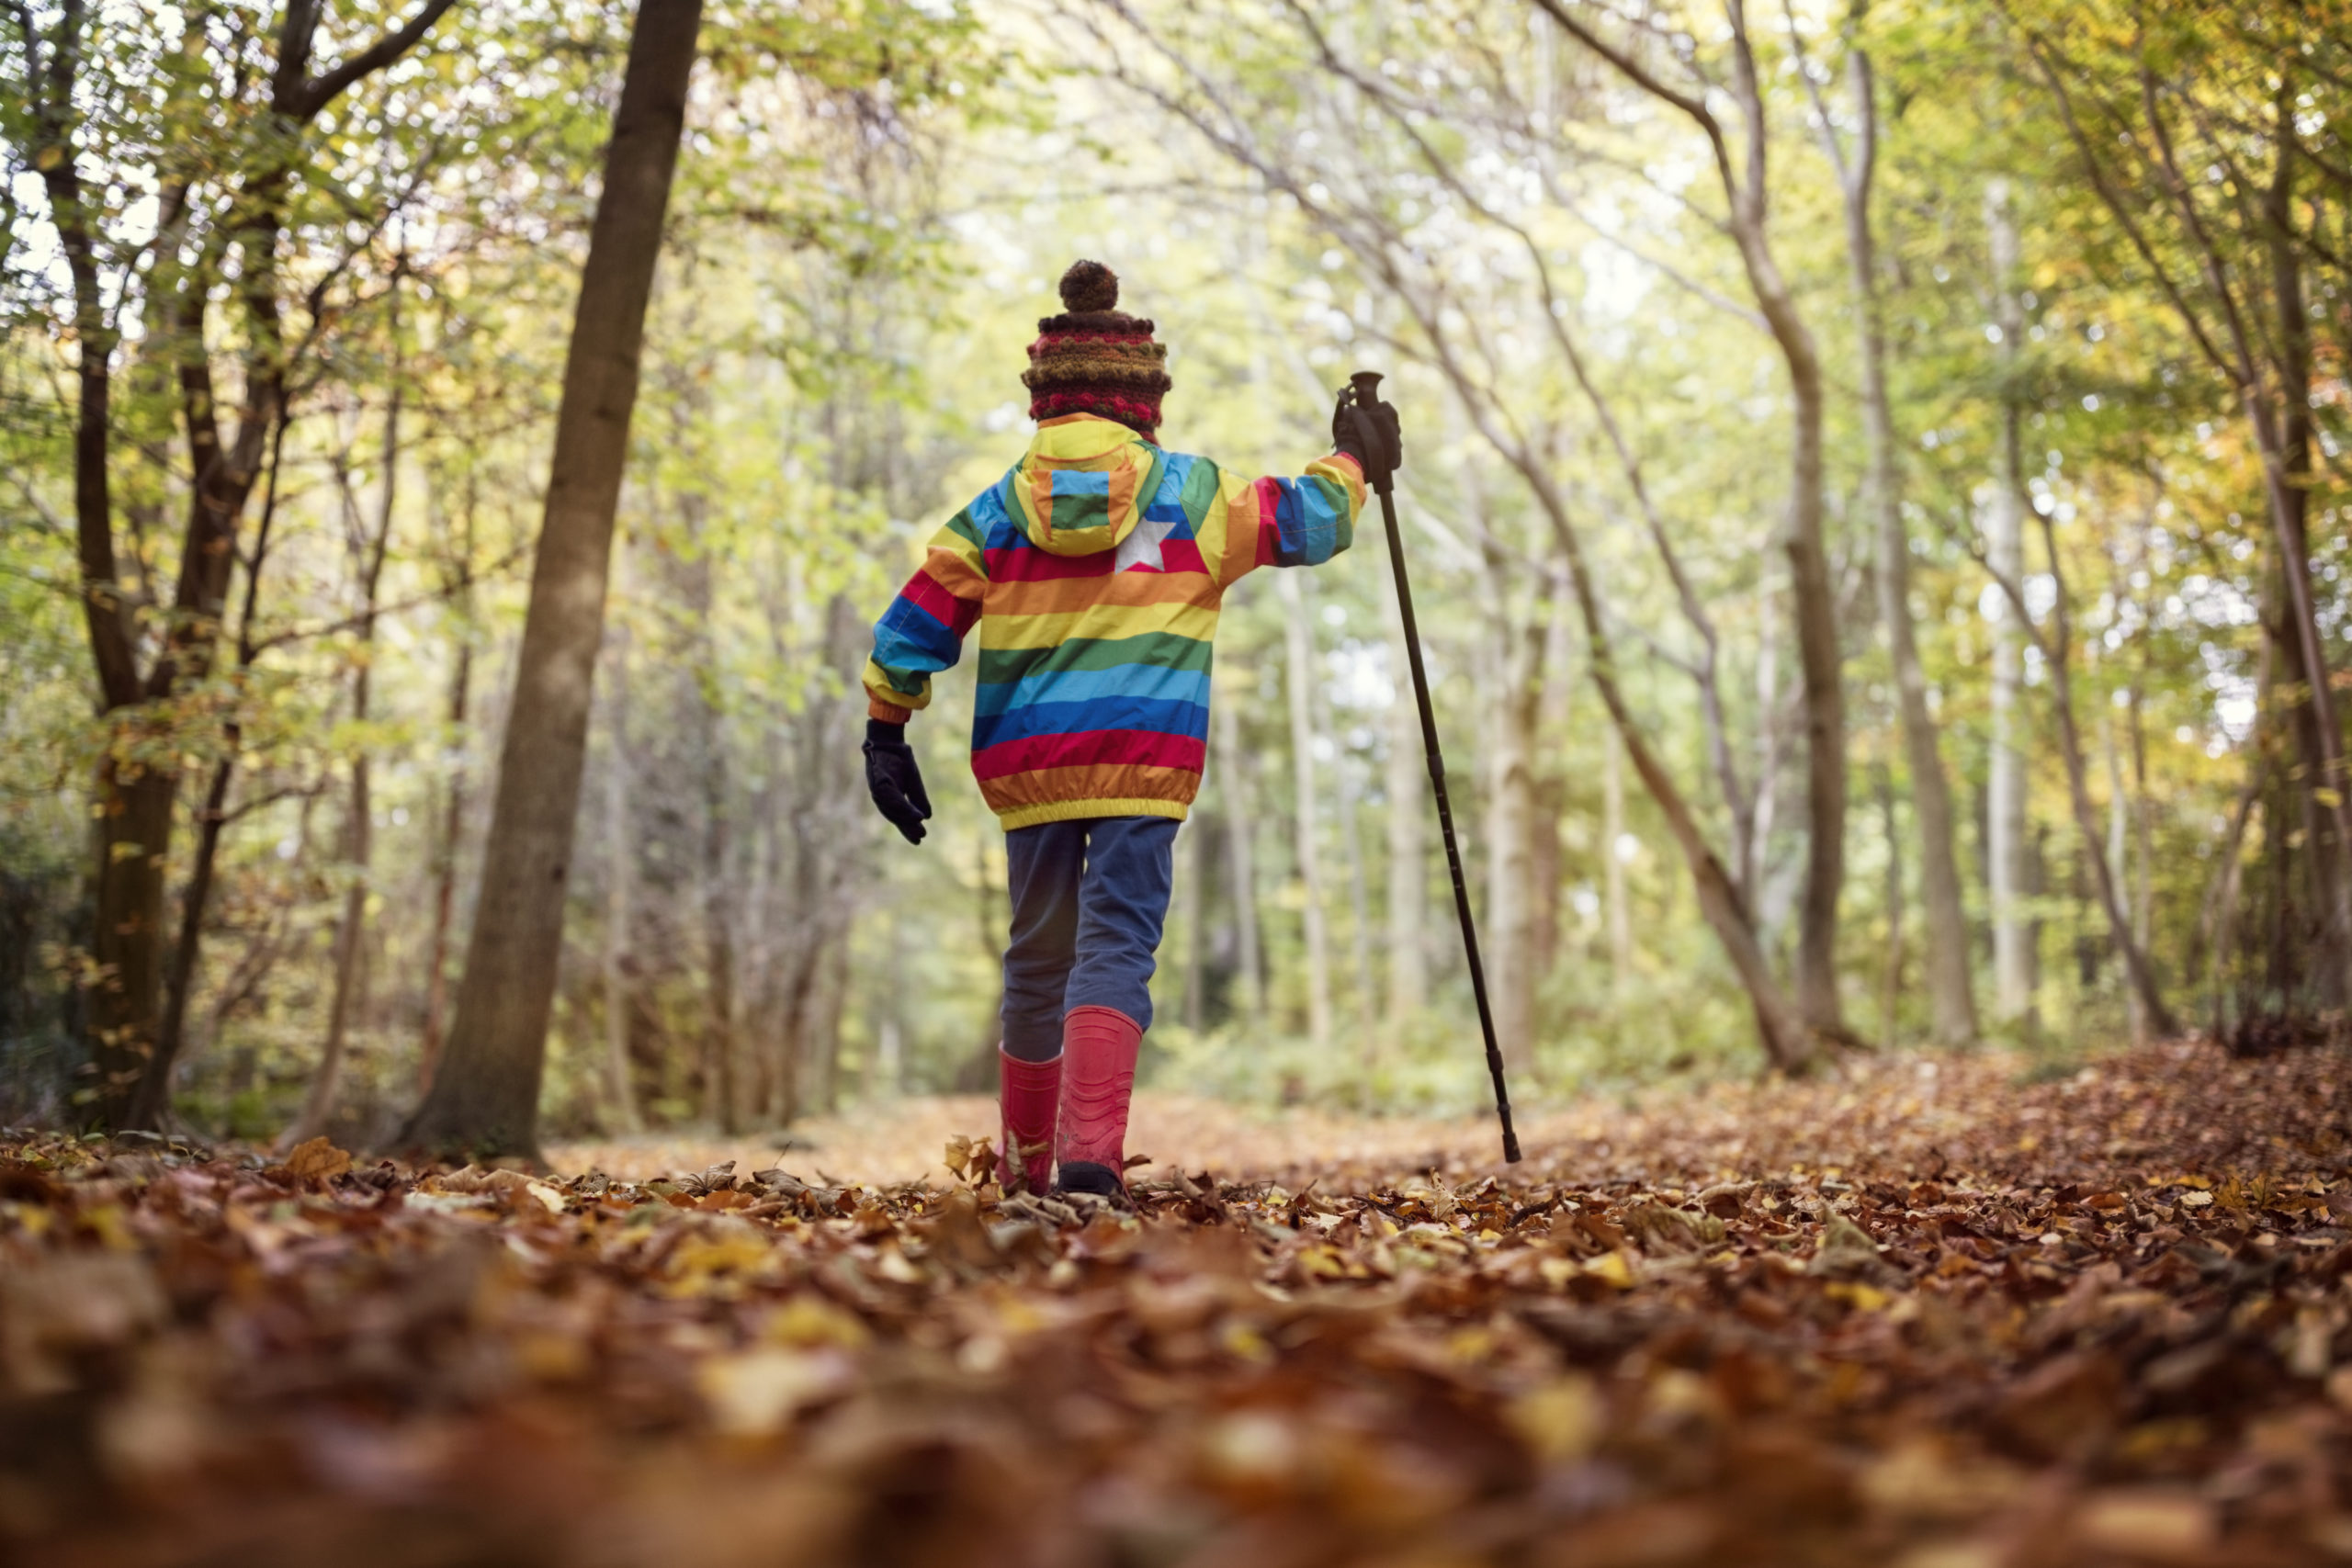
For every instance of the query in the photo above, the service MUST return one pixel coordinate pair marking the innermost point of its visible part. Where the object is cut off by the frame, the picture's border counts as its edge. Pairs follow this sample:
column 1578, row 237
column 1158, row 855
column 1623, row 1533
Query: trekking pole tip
column 1511, row 1149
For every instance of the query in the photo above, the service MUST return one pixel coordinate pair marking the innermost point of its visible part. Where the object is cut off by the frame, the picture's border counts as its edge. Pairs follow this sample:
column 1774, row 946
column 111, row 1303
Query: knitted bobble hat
column 1091, row 359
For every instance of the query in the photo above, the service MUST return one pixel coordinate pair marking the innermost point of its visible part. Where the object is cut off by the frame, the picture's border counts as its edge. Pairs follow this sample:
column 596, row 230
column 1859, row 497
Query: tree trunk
column 1367, row 1001
column 453, row 811
column 2118, row 853
column 1891, row 979
column 2287, row 481
column 723, row 1104
column 358, row 845
column 832, row 997
column 1299, row 646
column 2144, row 886
column 452, row 829
column 1949, row 993
column 358, row 834
column 1366, row 1010
column 1551, row 784
column 485, row 1097
column 153, row 1104
column 2057, row 656
column 133, row 805
column 134, row 819
column 188, row 950
column 621, row 865
column 2014, row 965
column 2268, row 360
column 721, row 1066
column 1191, row 897
column 134, row 799
column 1751, row 852
column 134, row 1077
column 1233, row 784
column 1814, row 601
column 1515, row 695
column 1404, row 784
column 1780, row 1027
column 2138, row 969
column 1615, row 908
column 1811, row 597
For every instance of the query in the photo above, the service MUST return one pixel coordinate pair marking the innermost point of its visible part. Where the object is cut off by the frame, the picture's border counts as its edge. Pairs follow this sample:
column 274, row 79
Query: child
column 1094, row 570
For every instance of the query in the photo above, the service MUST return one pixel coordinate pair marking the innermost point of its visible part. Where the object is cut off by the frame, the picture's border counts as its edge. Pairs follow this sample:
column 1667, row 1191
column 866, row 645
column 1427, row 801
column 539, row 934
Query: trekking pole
column 1364, row 387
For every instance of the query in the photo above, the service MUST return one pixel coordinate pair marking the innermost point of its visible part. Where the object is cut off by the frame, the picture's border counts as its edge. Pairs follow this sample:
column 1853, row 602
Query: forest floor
column 1933, row 1314
column 906, row 1140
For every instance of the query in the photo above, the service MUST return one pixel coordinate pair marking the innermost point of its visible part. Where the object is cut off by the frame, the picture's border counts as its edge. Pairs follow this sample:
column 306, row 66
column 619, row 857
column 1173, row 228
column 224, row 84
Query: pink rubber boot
column 1029, row 1093
column 1098, row 1045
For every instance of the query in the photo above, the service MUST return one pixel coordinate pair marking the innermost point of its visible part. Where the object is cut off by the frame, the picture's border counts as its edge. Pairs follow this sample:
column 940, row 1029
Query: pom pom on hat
column 1093, row 360
column 1089, row 286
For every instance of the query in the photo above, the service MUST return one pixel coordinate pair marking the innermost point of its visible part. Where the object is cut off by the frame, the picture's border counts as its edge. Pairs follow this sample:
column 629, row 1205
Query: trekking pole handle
column 1364, row 386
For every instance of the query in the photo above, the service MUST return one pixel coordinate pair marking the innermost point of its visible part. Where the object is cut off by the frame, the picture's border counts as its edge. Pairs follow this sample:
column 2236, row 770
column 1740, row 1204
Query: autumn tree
column 485, row 1092
column 224, row 148
column 2203, row 135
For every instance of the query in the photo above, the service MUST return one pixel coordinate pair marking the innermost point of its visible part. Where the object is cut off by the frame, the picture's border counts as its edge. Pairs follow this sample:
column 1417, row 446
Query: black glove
column 1349, row 438
column 893, row 780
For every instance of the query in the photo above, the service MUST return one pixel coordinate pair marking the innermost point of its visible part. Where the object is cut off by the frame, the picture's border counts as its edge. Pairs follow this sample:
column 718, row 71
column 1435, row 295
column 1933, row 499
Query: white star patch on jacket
column 1141, row 547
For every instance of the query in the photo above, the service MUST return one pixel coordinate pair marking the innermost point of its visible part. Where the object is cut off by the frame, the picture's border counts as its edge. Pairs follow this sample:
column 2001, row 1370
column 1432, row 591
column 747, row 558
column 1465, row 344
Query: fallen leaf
column 318, row 1161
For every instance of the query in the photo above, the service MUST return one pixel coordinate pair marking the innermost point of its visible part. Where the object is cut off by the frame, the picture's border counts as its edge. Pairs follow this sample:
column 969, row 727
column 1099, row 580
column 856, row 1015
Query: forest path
column 1899, row 1114
column 888, row 1142
column 1935, row 1314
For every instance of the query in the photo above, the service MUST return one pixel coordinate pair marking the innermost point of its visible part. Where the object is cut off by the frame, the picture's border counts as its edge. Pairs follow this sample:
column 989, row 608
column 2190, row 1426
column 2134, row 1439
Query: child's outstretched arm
column 920, row 634
column 1283, row 522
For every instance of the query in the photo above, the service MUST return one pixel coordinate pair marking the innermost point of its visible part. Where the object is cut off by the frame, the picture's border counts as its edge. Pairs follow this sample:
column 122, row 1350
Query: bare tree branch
column 306, row 97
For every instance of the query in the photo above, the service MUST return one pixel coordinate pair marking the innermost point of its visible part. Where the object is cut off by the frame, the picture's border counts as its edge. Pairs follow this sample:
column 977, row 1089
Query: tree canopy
column 1873, row 471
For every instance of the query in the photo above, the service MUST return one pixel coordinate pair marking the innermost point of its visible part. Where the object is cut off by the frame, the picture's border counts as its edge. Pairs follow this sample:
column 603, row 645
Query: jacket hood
column 1082, row 485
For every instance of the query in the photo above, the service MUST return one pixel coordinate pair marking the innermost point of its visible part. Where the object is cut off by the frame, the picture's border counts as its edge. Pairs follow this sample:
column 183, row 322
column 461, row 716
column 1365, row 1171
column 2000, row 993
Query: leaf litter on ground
column 1925, row 1315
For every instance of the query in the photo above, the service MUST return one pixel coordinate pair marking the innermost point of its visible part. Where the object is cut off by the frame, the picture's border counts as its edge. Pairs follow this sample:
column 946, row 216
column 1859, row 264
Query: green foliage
column 874, row 200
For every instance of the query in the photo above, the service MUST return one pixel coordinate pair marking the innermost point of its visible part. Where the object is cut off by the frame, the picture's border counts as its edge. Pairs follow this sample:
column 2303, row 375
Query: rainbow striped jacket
column 1094, row 569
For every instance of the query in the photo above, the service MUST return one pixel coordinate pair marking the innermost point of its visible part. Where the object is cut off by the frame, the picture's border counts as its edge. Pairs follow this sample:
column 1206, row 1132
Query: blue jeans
column 1089, row 898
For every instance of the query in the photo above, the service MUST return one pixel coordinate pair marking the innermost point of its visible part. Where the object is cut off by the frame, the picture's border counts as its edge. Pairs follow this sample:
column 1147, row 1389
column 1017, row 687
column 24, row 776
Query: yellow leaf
column 1244, row 1342
column 809, row 1320
column 702, row 1263
column 1869, row 1298
column 1471, row 1344
column 1322, row 1263
column 111, row 1226
column 1613, row 1267
column 1560, row 1421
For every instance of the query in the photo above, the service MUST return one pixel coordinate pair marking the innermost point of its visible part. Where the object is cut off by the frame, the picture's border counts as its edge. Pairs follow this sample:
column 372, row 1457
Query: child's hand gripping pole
column 1368, row 429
